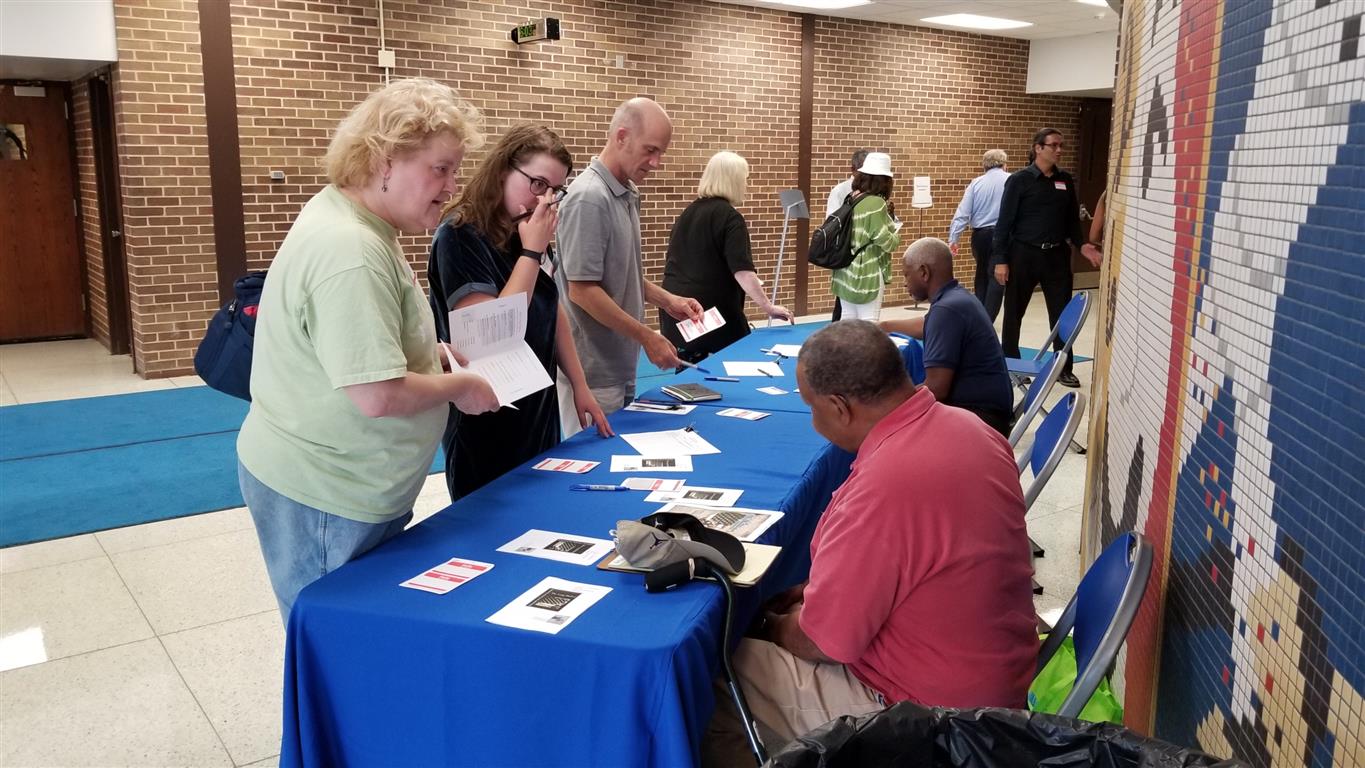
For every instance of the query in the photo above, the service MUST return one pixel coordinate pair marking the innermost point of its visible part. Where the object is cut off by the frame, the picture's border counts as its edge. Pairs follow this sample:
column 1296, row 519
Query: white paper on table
column 733, row 368
column 784, row 350
column 564, row 547
column 651, row 463
column 772, row 390
column 670, row 442
column 740, row 413
column 575, row 466
column 672, row 410
column 710, row 320
column 743, row 524
column 651, row 484
column 447, row 576
column 549, row 606
column 695, row 494
column 492, row 337
column 899, row 341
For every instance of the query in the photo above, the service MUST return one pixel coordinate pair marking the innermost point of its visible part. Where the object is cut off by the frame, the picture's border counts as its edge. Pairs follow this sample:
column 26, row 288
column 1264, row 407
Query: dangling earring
column 386, row 184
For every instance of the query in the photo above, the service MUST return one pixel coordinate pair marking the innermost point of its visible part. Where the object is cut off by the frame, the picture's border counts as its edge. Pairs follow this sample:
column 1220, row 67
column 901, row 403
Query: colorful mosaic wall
column 1230, row 377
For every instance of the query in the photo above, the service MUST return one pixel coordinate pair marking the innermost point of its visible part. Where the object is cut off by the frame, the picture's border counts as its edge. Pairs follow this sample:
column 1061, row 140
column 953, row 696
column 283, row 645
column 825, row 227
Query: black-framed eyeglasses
column 1053, row 145
column 540, row 186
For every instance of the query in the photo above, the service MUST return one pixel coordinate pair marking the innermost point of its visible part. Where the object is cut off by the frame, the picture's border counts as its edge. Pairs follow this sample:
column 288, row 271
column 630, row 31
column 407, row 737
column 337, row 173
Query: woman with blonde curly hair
column 348, row 393
column 496, row 243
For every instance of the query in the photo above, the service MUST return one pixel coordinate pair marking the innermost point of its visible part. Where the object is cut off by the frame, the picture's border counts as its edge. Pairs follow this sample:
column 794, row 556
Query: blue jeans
column 302, row 544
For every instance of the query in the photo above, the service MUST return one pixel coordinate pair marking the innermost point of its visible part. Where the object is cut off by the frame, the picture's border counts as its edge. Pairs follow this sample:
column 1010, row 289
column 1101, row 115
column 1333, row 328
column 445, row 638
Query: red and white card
column 711, row 319
column 447, row 576
column 575, row 466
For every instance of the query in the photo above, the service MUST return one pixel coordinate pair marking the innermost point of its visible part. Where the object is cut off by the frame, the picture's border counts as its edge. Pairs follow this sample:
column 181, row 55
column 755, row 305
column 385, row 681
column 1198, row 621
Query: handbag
column 223, row 359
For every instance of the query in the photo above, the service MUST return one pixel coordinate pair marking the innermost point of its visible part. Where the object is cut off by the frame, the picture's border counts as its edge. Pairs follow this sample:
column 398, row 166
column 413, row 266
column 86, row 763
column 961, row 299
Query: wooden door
column 1092, row 161
column 41, row 294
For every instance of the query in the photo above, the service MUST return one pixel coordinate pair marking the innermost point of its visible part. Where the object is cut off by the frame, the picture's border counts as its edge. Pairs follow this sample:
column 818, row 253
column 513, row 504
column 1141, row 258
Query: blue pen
column 692, row 365
column 595, row 487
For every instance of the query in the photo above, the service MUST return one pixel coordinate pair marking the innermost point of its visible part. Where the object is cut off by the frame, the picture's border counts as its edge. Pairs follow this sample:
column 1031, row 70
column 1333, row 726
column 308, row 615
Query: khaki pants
column 788, row 696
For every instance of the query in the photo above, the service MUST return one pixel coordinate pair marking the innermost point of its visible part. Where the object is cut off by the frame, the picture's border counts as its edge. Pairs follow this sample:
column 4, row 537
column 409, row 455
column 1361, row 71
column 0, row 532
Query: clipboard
column 758, row 558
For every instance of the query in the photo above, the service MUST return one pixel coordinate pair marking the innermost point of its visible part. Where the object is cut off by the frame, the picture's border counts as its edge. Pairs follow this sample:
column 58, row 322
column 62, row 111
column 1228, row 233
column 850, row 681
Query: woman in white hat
column 860, row 285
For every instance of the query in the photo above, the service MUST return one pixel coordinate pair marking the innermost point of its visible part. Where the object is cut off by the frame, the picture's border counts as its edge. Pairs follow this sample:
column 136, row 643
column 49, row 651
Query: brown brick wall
column 92, row 246
column 729, row 75
column 935, row 100
column 163, row 164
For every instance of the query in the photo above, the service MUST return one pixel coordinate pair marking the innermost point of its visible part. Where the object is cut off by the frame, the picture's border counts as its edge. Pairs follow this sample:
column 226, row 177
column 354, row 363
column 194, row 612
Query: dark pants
column 1000, row 421
column 989, row 292
column 1030, row 267
column 838, row 310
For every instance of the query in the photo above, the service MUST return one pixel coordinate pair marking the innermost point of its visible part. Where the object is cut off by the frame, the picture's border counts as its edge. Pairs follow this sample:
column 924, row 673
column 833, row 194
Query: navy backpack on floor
column 223, row 359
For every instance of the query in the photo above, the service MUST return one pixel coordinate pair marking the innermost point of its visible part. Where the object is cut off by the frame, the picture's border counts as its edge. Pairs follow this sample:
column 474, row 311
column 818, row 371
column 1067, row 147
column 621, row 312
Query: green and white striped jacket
column 871, row 268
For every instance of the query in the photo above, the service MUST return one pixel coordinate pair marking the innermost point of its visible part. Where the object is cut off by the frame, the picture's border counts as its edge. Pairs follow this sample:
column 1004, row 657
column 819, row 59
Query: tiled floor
column 160, row 644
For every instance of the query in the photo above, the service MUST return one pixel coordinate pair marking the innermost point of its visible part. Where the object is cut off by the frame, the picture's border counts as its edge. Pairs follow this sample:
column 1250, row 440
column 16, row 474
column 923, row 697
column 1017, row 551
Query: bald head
column 639, row 135
column 928, row 266
column 634, row 114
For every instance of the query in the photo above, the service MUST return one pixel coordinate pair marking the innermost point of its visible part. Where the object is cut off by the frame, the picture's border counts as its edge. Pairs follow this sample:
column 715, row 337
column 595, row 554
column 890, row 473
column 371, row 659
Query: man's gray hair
column 852, row 358
column 994, row 158
column 932, row 252
column 858, row 158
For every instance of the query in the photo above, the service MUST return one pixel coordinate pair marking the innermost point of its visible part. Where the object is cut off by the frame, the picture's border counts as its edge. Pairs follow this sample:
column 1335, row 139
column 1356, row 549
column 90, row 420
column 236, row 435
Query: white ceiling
column 1050, row 18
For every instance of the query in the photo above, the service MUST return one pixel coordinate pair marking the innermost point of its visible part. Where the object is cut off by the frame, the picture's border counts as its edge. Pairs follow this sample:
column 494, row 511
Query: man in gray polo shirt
column 602, row 270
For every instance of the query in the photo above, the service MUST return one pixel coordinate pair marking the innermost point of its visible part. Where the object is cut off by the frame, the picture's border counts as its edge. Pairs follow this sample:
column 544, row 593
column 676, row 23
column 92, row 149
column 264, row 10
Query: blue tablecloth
column 744, row 393
column 376, row 674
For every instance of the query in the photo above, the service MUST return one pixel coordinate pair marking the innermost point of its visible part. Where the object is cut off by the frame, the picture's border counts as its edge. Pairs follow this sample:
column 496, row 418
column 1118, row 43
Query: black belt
column 1044, row 246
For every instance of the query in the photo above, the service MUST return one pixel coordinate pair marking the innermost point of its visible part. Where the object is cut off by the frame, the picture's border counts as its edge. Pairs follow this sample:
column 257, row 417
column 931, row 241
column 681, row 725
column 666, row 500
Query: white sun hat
column 877, row 164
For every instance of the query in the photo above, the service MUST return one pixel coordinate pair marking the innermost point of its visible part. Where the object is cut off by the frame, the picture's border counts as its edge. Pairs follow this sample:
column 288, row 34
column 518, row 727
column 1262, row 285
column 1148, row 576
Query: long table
column 376, row 674
column 744, row 393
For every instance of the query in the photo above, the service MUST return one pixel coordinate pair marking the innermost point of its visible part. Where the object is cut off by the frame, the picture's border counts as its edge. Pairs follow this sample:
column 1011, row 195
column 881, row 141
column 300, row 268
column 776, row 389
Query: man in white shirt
column 844, row 188
column 980, row 208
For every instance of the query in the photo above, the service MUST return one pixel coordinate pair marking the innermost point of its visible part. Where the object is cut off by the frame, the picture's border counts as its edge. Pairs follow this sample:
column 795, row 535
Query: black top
column 1038, row 210
column 958, row 335
column 708, row 245
column 479, row 449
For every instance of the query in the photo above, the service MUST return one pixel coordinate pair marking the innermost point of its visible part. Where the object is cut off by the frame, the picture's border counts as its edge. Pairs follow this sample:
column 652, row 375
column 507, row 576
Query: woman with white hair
column 348, row 394
column 709, row 259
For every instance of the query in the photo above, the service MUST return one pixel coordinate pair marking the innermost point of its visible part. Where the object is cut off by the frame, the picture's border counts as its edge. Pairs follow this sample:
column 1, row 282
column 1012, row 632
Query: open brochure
column 743, row 524
column 492, row 337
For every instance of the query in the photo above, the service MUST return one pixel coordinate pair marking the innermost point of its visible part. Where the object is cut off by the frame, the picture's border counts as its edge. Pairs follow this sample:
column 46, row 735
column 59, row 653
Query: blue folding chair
column 1050, row 442
column 1100, row 614
column 1032, row 402
column 1068, row 327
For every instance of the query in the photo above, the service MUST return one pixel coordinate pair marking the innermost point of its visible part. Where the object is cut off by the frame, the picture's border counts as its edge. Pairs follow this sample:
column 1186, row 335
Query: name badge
column 1060, row 185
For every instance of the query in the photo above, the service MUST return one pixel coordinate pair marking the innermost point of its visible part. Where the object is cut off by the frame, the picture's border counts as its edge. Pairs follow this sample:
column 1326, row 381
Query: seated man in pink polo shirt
column 920, row 575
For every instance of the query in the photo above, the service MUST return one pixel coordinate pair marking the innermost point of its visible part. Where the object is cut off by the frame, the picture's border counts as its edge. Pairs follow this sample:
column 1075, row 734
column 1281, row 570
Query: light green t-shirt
column 340, row 307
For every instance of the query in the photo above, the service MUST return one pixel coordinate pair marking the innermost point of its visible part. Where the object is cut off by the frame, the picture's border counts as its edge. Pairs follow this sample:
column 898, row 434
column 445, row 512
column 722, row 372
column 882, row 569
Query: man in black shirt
column 1039, row 226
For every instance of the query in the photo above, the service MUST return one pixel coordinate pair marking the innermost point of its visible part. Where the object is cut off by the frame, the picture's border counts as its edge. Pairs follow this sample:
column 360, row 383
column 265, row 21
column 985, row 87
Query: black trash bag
column 907, row 735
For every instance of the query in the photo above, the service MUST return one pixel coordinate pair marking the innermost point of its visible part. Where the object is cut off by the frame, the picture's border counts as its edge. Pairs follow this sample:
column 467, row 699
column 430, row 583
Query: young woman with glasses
column 495, row 242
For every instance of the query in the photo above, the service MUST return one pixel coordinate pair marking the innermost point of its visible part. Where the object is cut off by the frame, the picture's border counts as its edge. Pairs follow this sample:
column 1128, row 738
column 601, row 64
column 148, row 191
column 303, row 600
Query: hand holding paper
column 710, row 320
column 492, row 335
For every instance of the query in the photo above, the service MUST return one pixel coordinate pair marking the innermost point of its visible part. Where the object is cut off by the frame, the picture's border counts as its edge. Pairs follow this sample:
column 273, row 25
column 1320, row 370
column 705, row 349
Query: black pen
column 721, row 378
column 659, row 404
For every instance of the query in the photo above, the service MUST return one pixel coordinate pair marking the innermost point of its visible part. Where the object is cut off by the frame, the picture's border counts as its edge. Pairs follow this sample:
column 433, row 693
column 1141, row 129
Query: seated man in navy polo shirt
column 963, row 363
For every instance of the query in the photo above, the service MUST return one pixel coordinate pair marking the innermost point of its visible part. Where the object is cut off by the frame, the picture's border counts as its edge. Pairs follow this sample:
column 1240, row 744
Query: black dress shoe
column 1068, row 379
